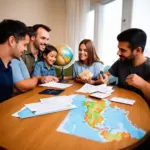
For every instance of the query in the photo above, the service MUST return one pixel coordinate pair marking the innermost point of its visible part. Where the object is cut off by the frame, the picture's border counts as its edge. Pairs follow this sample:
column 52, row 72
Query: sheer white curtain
column 141, row 19
column 77, row 11
column 107, row 27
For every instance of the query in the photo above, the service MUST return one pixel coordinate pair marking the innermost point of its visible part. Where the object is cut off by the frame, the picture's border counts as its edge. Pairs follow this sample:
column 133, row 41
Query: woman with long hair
column 89, row 66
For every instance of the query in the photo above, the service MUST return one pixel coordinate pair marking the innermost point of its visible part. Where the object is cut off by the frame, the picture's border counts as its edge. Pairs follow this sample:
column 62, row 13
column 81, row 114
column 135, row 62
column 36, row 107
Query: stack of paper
column 99, row 95
column 103, row 88
column 47, row 105
column 56, row 85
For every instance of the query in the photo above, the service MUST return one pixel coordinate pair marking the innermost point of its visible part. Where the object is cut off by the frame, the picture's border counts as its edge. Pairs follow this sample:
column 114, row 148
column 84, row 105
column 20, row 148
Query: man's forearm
column 27, row 84
column 146, row 90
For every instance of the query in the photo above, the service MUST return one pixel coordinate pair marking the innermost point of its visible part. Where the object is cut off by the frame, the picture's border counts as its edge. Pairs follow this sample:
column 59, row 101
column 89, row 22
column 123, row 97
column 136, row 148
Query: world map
column 97, row 120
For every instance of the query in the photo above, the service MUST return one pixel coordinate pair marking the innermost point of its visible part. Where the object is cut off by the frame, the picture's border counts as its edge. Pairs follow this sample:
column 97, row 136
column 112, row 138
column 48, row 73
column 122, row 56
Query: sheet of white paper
column 52, row 99
column 52, row 104
column 87, row 88
column 100, row 95
column 63, row 102
column 36, row 106
column 58, row 99
column 54, row 109
column 56, row 85
column 123, row 100
column 106, row 90
column 103, row 88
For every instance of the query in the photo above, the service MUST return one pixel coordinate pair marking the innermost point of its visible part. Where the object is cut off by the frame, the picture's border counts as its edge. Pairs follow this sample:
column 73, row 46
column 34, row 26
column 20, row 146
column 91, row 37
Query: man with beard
column 21, row 77
column 39, row 40
column 132, row 68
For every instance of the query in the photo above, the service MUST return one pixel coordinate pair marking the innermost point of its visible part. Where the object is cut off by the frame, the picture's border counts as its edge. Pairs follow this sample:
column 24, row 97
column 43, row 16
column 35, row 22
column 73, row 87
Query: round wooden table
column 39, row 133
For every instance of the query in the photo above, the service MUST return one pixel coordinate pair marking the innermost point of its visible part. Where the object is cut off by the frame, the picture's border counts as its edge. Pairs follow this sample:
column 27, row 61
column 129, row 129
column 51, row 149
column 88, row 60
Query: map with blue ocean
column 97, row 120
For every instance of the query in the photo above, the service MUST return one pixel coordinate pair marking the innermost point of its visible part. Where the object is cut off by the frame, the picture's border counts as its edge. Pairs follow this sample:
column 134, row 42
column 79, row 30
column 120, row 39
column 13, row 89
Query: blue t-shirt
column 6, row 82
column 19, row 70
column 95, row 69
column 42, row 70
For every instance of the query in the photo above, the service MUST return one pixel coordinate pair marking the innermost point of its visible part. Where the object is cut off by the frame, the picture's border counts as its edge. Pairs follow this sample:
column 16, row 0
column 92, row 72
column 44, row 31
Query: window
column 141, row 19
column 111, row 27
column 90, row 25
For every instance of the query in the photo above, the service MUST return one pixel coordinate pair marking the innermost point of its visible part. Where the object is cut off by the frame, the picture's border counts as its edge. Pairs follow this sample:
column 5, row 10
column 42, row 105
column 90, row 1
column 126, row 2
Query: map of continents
column 97, row 120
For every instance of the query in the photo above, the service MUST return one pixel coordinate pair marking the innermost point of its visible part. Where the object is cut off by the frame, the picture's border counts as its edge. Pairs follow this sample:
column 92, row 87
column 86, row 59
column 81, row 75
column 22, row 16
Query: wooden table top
column 39, row 133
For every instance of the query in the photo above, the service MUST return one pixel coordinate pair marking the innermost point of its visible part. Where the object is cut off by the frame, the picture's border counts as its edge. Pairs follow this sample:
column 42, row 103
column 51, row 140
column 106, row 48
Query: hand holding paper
column 86, row 75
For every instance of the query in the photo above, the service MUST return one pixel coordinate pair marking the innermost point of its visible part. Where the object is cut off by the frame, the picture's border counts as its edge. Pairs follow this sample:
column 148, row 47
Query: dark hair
column 49, row 48
column 30, row 31
column 136, row 38
column 37, row 26
column 12, row 28
column 93, row 57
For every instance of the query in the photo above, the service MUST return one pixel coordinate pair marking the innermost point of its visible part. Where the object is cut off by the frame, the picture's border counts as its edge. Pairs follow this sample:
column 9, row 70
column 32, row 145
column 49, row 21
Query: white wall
column 48, row 12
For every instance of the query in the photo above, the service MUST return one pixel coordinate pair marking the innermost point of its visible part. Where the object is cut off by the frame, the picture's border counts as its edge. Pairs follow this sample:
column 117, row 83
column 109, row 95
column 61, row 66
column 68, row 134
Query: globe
column 65, row 55
column 64, row 59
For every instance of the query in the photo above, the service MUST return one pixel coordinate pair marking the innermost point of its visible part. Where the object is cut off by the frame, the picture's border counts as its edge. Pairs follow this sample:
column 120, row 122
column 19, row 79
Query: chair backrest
column 106, row 68
column 112, row 80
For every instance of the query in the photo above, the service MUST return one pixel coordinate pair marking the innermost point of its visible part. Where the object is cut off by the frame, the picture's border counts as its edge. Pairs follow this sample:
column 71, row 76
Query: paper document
column 56, row 85
column 36, row 106
column 47, row 105
column 88, row 88
column 99, row 95
column 58, row 99
column 51, row 106
column 53, row 109
column 123, row 100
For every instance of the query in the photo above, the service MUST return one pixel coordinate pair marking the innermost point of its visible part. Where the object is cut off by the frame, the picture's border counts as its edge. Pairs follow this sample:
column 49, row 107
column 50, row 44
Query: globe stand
column 62, row 80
